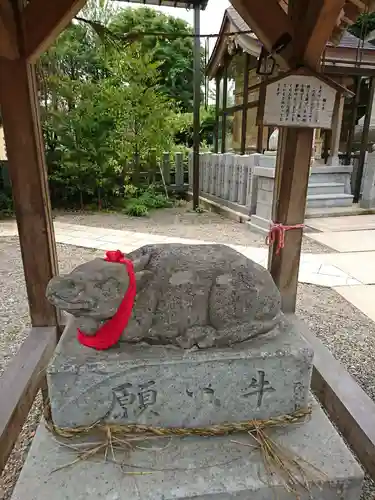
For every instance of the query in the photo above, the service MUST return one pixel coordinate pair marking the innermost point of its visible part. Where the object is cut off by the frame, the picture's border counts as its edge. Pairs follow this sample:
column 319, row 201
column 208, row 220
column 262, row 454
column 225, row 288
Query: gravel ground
column 183, row 223
column 348, row 333
column 13, row 320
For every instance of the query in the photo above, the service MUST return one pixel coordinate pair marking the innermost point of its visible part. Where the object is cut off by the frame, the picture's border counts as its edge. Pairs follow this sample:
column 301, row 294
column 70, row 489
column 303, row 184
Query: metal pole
column 364, row 142
column 197, row 98
column 206, row 81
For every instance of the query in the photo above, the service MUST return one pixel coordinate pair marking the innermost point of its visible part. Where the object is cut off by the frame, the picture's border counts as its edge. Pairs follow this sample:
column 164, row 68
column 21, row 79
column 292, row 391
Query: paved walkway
column 316, row 269
column 354, row 238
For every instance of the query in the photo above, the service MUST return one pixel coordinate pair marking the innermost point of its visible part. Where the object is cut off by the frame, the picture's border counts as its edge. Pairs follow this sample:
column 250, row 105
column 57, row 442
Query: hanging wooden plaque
column 299, row 101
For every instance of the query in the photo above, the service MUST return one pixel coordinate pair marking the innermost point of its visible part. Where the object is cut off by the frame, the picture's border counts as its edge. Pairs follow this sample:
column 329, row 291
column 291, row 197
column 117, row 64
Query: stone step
column 329, row 200
column 216, row 468
column 326, row 188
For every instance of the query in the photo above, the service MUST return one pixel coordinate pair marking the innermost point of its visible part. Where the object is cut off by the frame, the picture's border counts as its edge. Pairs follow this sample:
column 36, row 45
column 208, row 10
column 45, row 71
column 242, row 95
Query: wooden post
column 364, row 141
column 336, row 130
column 166, row 168
column 152, row 167
column 292, row 175
column 217, row 104
column 245, row 100
column 224, row 116
column 179, row 169
column 355, row 104
column 24, row 142
column 294, row 151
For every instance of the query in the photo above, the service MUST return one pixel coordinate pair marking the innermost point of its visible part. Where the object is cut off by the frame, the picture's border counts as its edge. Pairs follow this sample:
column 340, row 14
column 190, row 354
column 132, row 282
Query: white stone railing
column 245, row 183
column 227, row 179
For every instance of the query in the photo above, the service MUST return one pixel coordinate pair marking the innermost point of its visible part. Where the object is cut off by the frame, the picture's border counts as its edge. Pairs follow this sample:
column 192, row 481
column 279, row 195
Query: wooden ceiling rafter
column 8, row 31
column 43, row 21
column 320, row 22
column 269, row 22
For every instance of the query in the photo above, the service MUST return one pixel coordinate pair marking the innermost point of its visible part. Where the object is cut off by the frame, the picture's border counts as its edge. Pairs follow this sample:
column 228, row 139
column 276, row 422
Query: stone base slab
column 170, row 387
column 192, row 468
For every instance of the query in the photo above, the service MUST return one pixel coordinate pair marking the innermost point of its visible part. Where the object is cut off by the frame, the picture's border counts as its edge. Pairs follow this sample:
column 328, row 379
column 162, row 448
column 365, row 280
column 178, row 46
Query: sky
column 211, row 18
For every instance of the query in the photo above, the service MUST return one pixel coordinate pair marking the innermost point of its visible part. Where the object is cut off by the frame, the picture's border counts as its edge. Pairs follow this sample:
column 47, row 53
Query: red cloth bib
column 109, row 334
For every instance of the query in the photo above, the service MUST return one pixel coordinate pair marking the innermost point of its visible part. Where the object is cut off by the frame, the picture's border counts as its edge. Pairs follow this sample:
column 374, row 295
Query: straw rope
column 295, row 474
column 147, row 430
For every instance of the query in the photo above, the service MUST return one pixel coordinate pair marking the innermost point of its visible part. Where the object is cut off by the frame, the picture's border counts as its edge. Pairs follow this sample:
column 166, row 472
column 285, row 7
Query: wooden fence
column 170, row 169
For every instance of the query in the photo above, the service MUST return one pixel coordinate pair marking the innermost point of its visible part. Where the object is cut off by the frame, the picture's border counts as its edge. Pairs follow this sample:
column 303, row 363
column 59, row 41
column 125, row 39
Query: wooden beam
column 349, row 407
column 315, row 29
column 20, row 383
column 268, row 21
column 359, row 4
column 290, row 192
column 43, row 21
column 8, row 31
column 24, row 142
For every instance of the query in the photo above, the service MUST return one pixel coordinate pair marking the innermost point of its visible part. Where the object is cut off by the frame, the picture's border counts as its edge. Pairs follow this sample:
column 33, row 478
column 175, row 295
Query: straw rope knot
column 277, row 232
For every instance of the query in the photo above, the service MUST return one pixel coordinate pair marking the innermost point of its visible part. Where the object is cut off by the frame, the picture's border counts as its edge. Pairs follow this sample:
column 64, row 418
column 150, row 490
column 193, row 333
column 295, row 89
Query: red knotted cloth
column 277, row 234
column 109, row 334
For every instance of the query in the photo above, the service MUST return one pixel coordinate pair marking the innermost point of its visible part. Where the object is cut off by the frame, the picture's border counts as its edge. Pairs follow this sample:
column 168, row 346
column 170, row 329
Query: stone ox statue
column 186, row 295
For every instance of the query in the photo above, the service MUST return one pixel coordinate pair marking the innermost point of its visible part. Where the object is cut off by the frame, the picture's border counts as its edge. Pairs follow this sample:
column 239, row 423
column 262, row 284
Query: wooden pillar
column 355, row 104
column 318, row 144
column 294, row 152
column 292, row 175
column 245, row 100
column 217, row 105
column 364, row 141
column 23, row 137
column 224, row 116
column 336, row 130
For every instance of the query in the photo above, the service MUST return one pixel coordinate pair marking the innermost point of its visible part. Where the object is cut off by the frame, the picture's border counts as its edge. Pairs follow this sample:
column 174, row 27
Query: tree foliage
column 174, row 54
column 364, row 25
column 100, row 108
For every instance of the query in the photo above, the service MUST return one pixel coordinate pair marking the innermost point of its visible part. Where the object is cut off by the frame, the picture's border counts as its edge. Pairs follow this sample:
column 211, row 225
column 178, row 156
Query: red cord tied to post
column 109, row 334
column 277, row 234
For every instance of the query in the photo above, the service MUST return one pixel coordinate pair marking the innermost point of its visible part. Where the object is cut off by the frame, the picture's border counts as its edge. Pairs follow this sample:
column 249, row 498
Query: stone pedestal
column 169, row 387
column 166, row 386
column 193, row 468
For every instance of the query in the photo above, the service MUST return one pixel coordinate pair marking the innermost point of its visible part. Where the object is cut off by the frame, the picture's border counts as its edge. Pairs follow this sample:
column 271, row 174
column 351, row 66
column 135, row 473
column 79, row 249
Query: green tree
column 98, row 114
column 174, row 54
column 364, row 25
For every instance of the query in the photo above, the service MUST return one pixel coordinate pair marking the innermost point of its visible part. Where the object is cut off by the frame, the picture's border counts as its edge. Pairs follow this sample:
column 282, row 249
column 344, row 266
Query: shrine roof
column 183, row 4
column 248, row 42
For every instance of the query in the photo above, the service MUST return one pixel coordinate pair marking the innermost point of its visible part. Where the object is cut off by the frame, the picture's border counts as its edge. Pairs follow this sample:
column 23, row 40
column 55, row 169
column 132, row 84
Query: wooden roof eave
column 349, row 54
column 215, row 61
column 309, row 72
